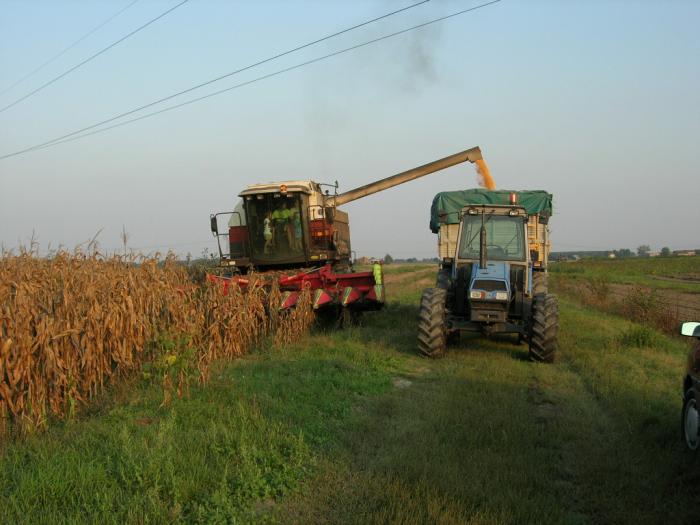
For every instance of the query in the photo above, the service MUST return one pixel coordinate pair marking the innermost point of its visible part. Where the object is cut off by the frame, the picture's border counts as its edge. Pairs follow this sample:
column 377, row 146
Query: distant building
column 684, row 253
column 611, row 255
column 653, row 254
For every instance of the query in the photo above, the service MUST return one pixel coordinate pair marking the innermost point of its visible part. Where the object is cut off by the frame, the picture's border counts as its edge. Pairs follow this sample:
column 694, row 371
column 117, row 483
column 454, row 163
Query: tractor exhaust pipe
column 482, row 245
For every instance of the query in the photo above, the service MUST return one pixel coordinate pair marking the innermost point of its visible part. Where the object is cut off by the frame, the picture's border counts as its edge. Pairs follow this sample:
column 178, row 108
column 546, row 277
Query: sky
column 596, row 102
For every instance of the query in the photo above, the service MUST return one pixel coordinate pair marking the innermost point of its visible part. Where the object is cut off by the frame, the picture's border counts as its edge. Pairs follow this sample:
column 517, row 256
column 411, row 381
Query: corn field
column 73, row 323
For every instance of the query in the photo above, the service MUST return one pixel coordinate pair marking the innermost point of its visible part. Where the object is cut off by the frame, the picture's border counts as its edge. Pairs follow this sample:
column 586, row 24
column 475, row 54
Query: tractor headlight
column 502, row 296
column 475, row 294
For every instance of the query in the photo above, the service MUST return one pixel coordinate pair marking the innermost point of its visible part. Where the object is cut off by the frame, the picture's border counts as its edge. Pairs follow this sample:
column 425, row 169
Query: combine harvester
column 296, row 226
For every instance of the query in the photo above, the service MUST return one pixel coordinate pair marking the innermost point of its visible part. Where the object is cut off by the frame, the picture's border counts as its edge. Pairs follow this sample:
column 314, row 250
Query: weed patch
column 639, row 337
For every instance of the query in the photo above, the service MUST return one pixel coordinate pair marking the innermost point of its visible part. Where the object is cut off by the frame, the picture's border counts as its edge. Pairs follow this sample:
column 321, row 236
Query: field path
column 685, row 304
column 484, row 436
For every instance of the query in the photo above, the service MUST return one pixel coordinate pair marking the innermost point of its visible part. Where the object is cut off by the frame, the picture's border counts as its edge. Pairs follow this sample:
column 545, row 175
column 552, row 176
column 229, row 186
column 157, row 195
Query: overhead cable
column 92, row 57
column 227, row 75
column 66, row 49
column 252, row 81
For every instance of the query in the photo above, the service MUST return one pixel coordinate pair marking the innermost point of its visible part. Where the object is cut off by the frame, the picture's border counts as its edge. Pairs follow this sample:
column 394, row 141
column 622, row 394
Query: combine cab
column 296, row 228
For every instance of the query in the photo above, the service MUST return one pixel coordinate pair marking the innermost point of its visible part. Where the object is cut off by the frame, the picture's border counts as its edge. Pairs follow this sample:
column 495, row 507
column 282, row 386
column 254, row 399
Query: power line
column 227, row 75
column 110, row 46
column 65, row 50
column 252, row 81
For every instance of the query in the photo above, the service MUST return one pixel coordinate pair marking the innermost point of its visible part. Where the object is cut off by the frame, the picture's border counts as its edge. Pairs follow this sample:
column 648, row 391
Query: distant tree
column 665, row 251
column 643, row 250
column 623, row 252
column 388, row 259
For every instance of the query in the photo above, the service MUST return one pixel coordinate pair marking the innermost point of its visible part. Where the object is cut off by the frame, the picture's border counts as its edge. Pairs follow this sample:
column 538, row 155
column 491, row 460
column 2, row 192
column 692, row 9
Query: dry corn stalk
column 72, row 323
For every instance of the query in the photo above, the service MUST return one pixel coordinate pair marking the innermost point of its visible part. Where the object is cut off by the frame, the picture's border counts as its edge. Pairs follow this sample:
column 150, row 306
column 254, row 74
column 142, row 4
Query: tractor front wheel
column 432, row 329
column 544, row 326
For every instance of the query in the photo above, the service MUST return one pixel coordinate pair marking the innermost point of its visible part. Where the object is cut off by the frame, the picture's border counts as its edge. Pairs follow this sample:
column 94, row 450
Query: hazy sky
column 597, row 102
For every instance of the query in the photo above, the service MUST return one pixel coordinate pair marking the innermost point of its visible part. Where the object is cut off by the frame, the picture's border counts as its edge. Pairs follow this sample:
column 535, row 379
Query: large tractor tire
column 540, row 283
column 543, row 328
column 432, row 329
column 443, row 280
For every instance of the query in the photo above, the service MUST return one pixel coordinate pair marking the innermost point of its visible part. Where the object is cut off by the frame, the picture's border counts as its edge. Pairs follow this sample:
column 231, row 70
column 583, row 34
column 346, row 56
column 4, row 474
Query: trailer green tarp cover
column 451, row 203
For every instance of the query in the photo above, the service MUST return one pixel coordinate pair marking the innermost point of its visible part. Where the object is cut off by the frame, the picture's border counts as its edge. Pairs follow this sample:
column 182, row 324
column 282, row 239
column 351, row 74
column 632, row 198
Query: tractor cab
column 492, row 263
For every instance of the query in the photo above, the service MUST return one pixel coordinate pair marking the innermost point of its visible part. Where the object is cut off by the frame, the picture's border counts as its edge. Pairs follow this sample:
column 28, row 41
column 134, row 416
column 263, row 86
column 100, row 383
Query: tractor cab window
column 275, row 225
column 505, row 238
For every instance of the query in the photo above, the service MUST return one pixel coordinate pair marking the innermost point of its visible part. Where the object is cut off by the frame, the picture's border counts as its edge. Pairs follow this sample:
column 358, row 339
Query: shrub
column 641, row 304
column 599, row 288
column 639, row 336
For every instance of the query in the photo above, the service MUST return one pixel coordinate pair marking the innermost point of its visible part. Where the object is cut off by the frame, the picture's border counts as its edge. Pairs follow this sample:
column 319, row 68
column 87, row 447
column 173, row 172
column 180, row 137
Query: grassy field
column 658, row 291
column 673, row 273
column 353, row 427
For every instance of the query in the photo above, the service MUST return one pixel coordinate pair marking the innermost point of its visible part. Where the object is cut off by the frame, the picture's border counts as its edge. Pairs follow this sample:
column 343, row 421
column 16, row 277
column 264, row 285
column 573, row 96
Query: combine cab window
column 275, row 225
column 505, row 238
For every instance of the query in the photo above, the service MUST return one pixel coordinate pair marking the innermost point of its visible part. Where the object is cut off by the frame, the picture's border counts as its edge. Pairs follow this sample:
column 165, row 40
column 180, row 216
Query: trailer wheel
column 544, row 326
column 540, row 283
column 432, row 329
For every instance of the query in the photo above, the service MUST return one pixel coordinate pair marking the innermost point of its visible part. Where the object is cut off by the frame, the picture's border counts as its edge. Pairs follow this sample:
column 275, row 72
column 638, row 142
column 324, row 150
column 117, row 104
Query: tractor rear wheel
column 432, row 329
column 443, row 279
column 540, row 283
column 544, row 326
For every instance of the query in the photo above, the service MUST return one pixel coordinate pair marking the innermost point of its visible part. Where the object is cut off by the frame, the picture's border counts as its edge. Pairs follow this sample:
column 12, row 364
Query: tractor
column 494, row 250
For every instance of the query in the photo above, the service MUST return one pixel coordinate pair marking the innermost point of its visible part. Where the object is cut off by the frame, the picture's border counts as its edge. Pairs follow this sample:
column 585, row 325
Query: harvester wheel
column 540, row 283
column 432, row 329
column 543, row 328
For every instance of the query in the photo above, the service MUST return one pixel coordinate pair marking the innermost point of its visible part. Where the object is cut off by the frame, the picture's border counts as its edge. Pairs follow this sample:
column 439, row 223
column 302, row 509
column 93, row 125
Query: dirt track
column 685, row 304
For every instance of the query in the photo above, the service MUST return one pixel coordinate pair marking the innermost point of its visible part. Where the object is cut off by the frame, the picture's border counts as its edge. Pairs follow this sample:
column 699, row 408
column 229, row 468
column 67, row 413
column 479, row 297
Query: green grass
column 656, row 272
column 398, row 268
column 354, row 427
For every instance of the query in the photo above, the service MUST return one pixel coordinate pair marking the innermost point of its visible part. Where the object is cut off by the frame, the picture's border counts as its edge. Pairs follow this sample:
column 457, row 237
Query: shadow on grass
column 426, row 453
column 484, row 447
column 396, row 327
column 496, row 345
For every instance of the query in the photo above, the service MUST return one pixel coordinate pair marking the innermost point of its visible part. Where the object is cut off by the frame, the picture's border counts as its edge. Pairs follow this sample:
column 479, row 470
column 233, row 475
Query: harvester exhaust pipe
column 471, row 155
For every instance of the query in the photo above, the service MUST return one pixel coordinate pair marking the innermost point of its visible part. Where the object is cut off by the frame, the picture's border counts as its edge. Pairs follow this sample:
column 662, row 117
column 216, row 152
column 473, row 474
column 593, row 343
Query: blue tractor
column 494, row 250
